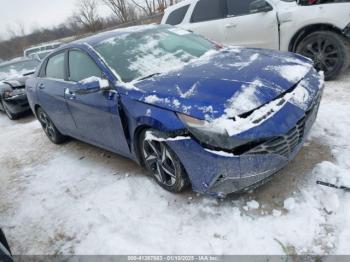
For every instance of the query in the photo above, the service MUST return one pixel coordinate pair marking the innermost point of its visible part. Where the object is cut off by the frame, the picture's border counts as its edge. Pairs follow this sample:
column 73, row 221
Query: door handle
column 69, row 94
column 230, row 25
column 41, row 86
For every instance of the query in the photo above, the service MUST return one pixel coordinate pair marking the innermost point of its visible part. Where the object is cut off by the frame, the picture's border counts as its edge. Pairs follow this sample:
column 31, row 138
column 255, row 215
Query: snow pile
column 253, row 204
column 289, row 204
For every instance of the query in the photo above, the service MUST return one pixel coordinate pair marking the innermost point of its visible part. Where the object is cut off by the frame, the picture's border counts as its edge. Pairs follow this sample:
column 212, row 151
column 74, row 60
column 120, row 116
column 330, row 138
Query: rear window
column 177, row 16
column 209, row 10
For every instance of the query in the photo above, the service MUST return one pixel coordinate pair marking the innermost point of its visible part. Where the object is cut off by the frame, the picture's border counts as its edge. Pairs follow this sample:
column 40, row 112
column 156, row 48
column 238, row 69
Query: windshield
column 16, row 69
column 140, row 54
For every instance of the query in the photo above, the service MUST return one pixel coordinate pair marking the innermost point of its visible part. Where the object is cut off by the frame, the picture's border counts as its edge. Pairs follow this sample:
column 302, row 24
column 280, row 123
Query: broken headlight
column 14, row 93
column 210, row 135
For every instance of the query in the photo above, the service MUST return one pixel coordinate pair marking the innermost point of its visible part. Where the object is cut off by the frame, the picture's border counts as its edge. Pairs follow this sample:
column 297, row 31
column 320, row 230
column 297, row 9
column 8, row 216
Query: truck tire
column 329, row 51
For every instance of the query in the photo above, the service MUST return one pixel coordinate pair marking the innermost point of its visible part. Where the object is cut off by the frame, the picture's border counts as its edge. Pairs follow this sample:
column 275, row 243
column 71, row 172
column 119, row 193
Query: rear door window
column 177, row 15
column 206, row 10
column 81, row 66
column 55, row 67
column 238, row 7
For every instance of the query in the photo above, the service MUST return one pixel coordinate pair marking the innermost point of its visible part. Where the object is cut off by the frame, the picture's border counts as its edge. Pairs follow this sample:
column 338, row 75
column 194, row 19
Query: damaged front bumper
column 17, row 104
column 221, row 173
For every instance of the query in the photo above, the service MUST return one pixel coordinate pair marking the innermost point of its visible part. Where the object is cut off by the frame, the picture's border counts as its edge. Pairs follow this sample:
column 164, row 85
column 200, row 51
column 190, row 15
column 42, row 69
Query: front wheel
column 10, row 115
column 163, row 164
column 50, row 130
column 328, row 50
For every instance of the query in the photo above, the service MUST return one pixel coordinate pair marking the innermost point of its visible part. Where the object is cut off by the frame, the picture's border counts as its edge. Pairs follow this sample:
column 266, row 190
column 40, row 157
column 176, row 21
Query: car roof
column 42, row 45
column 16, row 60
column 98, row 38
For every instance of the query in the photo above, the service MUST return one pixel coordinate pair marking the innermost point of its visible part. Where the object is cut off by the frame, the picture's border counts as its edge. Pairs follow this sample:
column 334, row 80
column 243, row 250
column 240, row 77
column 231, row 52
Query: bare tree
column 151, row 7
column 15, row 30
column 88, row 15
column 120, row 8
column 147, row 6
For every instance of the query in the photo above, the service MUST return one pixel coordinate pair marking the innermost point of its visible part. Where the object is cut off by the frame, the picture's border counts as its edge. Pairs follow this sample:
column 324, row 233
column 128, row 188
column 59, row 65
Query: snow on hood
column 16, row 82
column 12, row 74
column 226, row 83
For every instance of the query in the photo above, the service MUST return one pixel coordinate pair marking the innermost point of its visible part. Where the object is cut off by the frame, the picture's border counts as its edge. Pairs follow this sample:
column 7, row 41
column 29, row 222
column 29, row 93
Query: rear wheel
column 328, row 50
column 163, row 164
column 50, row 130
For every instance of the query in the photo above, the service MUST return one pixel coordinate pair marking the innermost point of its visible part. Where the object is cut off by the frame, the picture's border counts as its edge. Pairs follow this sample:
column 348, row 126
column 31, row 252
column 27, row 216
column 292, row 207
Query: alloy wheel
column 46, row 124
column 160, row 161
column 323, row 52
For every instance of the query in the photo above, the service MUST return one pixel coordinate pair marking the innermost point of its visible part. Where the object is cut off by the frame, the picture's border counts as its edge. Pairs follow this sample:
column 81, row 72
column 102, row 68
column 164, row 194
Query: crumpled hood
column 230, row 82
column 18, row 82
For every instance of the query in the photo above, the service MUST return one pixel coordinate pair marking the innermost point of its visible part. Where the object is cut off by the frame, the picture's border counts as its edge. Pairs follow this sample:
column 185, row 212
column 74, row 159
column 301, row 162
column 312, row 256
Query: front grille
column 285, row 145
column 282, row 145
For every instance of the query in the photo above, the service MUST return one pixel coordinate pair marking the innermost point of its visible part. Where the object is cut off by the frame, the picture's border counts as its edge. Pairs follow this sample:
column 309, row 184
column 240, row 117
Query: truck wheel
column 329, row 51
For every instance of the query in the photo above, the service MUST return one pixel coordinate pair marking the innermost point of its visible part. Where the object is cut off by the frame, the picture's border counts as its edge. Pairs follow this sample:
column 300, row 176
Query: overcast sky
column 35, row 13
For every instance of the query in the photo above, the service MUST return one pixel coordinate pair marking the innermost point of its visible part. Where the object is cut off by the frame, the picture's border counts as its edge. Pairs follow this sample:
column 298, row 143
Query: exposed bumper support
column 346, row 31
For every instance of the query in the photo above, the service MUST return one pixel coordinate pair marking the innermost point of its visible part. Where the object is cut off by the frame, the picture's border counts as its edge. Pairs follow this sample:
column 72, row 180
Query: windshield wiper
column 148, row 76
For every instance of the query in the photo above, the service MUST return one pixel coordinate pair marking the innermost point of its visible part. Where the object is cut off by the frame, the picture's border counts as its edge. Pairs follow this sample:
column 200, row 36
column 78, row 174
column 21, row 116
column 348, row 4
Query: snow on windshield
column 140, row 54
column 150, row 58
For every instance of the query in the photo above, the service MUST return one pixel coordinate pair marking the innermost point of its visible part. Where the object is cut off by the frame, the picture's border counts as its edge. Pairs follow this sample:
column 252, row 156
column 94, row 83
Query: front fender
column 141, row 115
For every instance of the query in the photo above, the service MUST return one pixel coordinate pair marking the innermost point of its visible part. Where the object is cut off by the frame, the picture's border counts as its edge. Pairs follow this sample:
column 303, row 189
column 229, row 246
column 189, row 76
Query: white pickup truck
column 318, row 29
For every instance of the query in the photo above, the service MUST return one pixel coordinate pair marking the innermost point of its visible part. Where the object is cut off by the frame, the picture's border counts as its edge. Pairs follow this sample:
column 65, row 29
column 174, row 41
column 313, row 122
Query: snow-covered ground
column 78, row 199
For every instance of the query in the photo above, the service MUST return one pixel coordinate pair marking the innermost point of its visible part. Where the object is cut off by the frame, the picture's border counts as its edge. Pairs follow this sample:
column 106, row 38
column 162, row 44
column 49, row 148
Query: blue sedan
column 221, row 119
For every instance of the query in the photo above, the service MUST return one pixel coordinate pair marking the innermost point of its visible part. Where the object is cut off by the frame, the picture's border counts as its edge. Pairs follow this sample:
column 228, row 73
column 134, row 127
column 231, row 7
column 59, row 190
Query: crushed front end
column 15, row 97
column 269, row 143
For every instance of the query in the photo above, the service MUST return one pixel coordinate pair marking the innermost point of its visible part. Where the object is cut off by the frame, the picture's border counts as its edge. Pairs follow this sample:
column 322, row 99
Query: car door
column 206, row 19
column 234, row 22
column 96, row 114
column 245, row 25
column 50, row 89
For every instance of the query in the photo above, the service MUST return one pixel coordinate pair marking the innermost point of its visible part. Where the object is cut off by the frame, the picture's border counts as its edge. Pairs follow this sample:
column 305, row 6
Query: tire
column 10, row 115
column 163, row 164
column 329, row 50
column 49, row 128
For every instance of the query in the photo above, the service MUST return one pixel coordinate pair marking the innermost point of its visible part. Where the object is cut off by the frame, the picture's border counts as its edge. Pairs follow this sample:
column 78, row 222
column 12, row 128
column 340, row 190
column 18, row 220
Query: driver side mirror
column 92, row 85
column 259, row 6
